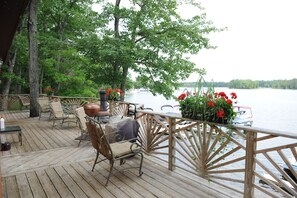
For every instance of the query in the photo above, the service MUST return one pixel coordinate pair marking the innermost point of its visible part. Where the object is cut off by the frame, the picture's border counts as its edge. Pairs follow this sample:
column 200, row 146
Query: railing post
column 249, row 179
column 171, row 151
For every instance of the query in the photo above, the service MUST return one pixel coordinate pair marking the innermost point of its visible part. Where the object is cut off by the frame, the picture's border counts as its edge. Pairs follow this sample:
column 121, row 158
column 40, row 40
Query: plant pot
column 91, row 109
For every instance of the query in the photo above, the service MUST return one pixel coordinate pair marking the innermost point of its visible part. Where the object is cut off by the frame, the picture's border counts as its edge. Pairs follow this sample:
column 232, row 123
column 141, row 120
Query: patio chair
column 24, row 101
column 44, row 107
column 81, row 119
column 59, row 114
column 120, row 150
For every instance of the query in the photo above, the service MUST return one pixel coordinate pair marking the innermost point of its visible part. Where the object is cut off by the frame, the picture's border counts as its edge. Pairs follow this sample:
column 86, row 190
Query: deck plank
column 88, row 189
column 12, row 189
column 58, row 183
column 29, row 137
column 4, row 189
column 53, row 140
column 158, row 182
column 117, row 192
column 38, row 134
column 16, row 142
column 23, row 185
column 92, row 181
column 133, row 184
column 47, row 184
column 13, row 150
column 24, row 162
column 35, row 185
column 125, row 185
column 50, row 164
column 70, row 183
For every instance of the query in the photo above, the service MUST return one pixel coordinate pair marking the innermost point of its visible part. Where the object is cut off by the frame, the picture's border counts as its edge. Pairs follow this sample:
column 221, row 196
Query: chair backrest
column 24, row 100
column 57, row 109
column 43, row 103
column 81, row 117
column 98, row 138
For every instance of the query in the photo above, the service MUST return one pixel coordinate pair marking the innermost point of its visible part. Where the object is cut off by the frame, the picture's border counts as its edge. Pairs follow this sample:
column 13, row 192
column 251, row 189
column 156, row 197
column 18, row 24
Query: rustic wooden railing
column 11, row 101
column 247, row 160
column 239, row 158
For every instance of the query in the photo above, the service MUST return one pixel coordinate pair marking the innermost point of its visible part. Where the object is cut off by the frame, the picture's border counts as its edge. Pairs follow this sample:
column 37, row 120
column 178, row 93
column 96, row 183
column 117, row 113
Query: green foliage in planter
column 207, row 105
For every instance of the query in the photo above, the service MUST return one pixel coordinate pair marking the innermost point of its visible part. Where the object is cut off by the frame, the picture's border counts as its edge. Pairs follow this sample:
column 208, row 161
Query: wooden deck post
column 171, row 151
column 249, row 179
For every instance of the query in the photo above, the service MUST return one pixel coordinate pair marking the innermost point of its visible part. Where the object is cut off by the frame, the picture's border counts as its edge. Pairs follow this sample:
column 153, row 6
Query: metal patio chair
column 120, row 150
column 59, row 114
column 81, row 119
column 44, row 106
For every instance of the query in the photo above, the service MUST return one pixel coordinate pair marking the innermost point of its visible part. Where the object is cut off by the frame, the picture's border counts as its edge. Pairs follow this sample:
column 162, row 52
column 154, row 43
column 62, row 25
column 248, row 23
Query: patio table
column 12, row 129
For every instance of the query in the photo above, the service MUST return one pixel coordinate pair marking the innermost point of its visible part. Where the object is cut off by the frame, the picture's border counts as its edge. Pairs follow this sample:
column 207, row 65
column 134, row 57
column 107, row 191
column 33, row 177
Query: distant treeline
column 251, row 84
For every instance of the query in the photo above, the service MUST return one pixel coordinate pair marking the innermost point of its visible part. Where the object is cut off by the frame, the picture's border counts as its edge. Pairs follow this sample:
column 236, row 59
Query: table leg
column 20, row 137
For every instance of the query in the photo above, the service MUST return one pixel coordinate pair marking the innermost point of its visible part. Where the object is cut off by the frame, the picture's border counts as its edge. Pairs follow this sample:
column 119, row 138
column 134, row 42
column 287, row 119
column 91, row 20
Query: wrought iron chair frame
column 102, row 146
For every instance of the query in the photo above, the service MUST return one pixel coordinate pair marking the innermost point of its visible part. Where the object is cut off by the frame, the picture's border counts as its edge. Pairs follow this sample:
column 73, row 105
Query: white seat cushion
column 122, row 148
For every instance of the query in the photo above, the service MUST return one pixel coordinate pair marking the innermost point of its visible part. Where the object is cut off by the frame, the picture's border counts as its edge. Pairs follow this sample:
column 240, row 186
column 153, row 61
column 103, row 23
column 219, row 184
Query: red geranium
column 229, row 101
column 220, row 113
column 182, row 96
column 233, row 95
column 113, row 94
column 211, row 104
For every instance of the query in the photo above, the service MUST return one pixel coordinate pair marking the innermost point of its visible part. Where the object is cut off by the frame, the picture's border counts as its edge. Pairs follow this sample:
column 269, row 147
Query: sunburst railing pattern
column 118, row 108
column 235, row 157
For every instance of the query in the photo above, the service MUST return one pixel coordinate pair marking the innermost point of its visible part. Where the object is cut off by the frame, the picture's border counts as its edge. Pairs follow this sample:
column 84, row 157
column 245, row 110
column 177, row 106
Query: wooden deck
column 49, row 164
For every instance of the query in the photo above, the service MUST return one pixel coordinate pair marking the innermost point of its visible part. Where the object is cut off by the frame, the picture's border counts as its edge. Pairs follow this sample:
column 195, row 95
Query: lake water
column 272, row 108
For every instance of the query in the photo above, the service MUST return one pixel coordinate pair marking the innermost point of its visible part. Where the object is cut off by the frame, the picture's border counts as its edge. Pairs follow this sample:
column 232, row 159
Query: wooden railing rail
column 11, row 101
column 239, row 158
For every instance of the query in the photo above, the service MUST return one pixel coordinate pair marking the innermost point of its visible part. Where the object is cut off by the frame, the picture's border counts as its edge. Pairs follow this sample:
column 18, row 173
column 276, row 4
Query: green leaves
column 80, row 49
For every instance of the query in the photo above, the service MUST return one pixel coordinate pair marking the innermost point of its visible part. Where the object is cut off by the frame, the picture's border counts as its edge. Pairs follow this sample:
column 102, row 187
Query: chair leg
column 81, row 137
column 79, row 142
column 53, row 123
column 110, row 171
column 97, row 155
column 140, row 166
column 50, row 115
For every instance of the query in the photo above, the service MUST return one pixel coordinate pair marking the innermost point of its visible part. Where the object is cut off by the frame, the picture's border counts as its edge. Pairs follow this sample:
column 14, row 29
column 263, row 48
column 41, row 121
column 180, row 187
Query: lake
column 272, row 108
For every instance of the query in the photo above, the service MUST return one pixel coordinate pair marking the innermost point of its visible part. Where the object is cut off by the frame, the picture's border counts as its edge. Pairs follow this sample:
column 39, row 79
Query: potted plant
column 48, row 91
column 208, row 105
column 113, row 94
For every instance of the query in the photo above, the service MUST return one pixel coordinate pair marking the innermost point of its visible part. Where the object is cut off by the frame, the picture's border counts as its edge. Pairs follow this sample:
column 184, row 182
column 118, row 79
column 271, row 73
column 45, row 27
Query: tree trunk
column 116, row 35
column 123, row 83
column 18, row 87
column 33, row 58
column 7, row 81
column 41, row 81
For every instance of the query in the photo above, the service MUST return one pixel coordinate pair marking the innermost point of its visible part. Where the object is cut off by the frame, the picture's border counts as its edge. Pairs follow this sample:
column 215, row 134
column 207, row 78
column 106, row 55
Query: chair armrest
column 135, row 147
column 117, row 137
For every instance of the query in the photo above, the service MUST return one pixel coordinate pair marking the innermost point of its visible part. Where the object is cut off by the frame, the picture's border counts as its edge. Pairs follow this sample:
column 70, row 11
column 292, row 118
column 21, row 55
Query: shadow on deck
column 49, row 164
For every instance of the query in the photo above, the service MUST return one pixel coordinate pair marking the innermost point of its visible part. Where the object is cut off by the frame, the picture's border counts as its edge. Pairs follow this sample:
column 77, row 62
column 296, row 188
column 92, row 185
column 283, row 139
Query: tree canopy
column 150, row 38
column 80, row 50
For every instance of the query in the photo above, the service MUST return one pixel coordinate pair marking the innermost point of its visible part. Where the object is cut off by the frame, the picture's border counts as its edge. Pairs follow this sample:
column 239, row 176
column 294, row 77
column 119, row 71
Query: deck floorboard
column 50, row 164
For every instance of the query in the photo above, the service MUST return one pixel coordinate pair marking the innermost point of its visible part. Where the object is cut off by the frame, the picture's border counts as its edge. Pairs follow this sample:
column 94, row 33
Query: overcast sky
column 260, row 43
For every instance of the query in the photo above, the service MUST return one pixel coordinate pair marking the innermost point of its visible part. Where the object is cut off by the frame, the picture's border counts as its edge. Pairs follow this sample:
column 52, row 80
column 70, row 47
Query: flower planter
column 210, row 107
